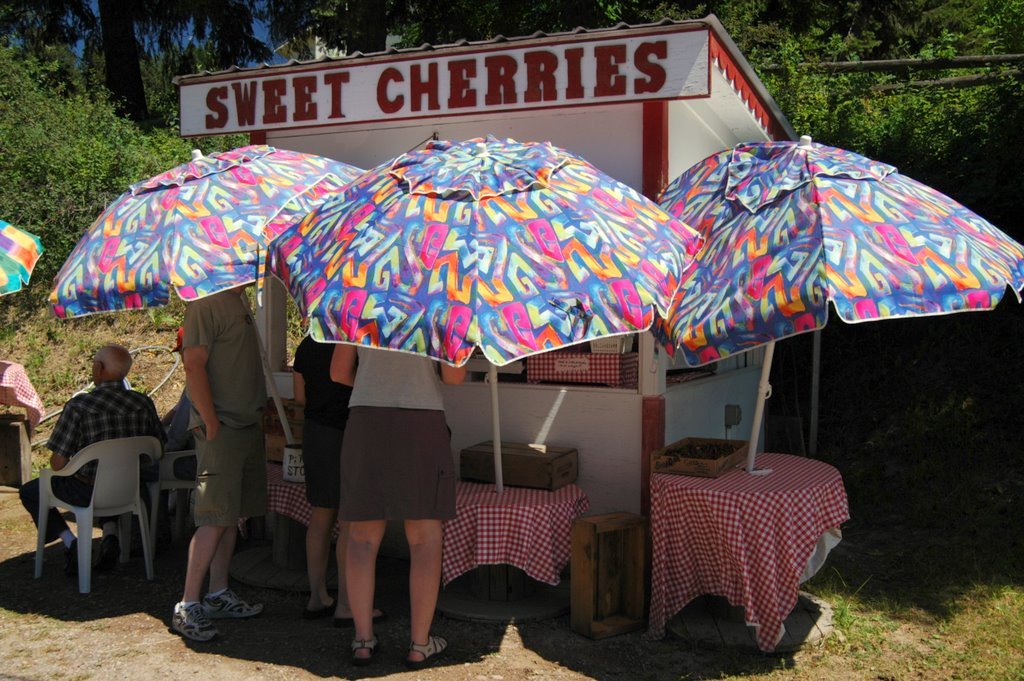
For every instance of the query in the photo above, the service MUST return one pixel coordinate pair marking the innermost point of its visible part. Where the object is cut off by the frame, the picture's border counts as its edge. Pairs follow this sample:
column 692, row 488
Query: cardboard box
column 617, row 370
column 521, row 465
column 690, row 456
column 609, row 564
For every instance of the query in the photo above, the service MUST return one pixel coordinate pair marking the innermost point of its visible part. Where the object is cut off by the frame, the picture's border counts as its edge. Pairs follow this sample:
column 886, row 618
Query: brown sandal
column 434, row 646
column 363, row 644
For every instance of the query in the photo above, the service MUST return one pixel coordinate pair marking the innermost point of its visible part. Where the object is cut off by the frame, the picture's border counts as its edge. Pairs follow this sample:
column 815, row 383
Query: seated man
column 107, row 412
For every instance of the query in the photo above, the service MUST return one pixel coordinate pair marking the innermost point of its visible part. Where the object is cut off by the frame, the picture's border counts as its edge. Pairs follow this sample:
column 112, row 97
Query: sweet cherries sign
column 547, row 73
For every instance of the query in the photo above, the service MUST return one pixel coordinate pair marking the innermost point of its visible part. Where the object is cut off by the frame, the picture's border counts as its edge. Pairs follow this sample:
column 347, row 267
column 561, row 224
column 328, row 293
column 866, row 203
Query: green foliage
column 65, row 155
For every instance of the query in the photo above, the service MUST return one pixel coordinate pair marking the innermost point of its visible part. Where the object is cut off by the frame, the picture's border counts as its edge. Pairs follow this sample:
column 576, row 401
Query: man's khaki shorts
column 232, row 476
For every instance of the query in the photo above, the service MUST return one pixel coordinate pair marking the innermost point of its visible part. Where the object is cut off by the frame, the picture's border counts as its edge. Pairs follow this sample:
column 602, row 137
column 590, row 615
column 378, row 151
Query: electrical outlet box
column 733, row 415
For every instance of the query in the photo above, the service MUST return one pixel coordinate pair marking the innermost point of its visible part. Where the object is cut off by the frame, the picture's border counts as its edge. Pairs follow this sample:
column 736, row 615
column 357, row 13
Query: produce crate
column 617, row 370
column 609, row 555
column 613, row 345
column 702, row 457
column 274, row 434
column 521, row 465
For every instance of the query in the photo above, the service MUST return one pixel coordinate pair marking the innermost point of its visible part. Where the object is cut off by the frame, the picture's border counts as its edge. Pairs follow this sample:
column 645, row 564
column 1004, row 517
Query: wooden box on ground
column 608, row 572
column 274, row 433
column 699, row 456
column 541, row 467
column 15, row 450
column 501, row 583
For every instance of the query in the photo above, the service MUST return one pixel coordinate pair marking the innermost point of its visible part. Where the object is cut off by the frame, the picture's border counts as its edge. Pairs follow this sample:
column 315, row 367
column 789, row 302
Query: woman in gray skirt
column 396, row 464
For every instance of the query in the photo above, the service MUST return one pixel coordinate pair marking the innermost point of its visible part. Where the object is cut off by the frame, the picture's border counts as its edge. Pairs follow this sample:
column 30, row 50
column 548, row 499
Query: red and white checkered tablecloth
column 741, row 536
column 17, row 390
column 527, row 528
column 289, row 498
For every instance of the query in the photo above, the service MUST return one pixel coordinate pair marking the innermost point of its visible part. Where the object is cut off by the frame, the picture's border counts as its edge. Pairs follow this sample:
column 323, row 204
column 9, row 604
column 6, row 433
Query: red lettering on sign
column 386, row 103
column 540, row 76
column 644, row 60
column 609, row 81
column 335, row 81
column 420, row 87
column 245, row 102
column 574, row 78
column 273, row 92
column 460, row 73
column 501, row 84
column 305, row 107
column 218, row 116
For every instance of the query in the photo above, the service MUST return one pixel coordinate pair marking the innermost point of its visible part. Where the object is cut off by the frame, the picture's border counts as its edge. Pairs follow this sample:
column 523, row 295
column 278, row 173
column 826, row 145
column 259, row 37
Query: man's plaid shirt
column 108, row 411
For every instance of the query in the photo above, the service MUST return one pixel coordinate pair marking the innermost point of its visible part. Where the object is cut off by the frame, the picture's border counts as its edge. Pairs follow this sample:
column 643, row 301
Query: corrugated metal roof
column 709, row 21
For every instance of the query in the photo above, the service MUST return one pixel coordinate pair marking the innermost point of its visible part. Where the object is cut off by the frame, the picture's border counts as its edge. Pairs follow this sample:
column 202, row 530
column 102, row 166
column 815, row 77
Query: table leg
column 289, row 544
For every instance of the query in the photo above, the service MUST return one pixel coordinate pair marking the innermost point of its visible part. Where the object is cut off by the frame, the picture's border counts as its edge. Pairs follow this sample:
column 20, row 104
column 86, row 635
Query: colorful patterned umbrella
column 515, row 248
column 790, row 226
column 19, row 251
column 200, row 227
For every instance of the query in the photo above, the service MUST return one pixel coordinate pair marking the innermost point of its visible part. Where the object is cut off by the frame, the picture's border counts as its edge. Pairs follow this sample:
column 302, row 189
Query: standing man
column 225, row 383
column 108, row 411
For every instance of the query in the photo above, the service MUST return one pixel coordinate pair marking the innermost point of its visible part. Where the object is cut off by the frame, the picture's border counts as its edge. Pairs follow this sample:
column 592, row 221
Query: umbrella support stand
column 764, row 391
column 492, row 378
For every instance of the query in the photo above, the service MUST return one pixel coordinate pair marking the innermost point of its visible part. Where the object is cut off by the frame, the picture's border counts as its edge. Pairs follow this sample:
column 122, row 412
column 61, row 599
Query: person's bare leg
column 424, row 537
column 318, row 544
column 220, row 566
column 364, row 537
column 201, row 551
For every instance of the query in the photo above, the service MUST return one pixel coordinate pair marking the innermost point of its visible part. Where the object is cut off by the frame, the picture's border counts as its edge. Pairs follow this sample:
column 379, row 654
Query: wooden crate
column 274, row 433
column 672, row 458
column 521, row 465
column 15, row 450
column 618, row 370
column 609, row 567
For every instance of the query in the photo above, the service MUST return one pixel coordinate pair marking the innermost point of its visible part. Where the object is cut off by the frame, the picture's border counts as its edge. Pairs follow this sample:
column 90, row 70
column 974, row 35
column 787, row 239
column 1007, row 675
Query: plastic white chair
column 115, row 493
column 168, row 481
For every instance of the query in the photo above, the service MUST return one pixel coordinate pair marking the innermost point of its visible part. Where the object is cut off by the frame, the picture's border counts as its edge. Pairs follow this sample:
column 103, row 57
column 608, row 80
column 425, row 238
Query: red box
column 615, row 370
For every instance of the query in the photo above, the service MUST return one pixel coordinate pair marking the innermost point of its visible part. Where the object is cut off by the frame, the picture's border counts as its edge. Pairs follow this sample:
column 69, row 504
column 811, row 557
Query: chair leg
column 181, row 505
column 155, row 501
column 44, row 517
column 124, row 531
column 83, row 522
column 147, row 539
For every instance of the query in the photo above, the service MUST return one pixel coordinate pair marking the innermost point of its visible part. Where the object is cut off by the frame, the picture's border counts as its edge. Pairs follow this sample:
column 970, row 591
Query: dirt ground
column 120, row 631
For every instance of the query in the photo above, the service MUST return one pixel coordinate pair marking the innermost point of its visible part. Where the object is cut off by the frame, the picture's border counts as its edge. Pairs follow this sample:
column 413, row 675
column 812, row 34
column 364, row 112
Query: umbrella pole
column 268, row 374
column 764, row 391
column 492, row 378
column 812, row 449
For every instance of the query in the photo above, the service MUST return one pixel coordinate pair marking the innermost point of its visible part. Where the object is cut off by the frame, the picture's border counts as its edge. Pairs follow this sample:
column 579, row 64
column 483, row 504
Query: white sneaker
column 191, row 622
column 229, row 605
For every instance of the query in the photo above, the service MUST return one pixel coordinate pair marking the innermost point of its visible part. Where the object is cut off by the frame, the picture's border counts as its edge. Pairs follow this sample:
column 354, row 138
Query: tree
column 129, row 31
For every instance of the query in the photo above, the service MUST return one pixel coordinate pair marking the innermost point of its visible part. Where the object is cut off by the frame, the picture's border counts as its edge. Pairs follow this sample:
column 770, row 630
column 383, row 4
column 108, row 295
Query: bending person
column 396, row 464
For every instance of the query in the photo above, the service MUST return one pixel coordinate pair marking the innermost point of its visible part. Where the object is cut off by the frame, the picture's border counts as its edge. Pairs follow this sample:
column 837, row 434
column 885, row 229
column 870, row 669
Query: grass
column 921, row 418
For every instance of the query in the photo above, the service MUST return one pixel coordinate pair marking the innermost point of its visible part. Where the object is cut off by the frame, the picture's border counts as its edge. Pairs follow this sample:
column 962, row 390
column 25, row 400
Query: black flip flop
column 325, row 611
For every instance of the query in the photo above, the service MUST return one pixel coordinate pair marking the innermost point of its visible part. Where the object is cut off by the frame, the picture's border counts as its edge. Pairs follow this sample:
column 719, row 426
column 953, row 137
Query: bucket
column 292, row 467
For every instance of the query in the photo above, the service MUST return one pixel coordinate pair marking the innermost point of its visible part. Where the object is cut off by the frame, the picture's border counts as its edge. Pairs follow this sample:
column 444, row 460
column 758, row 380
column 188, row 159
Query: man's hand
column 209, row 430
column 194, row 359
